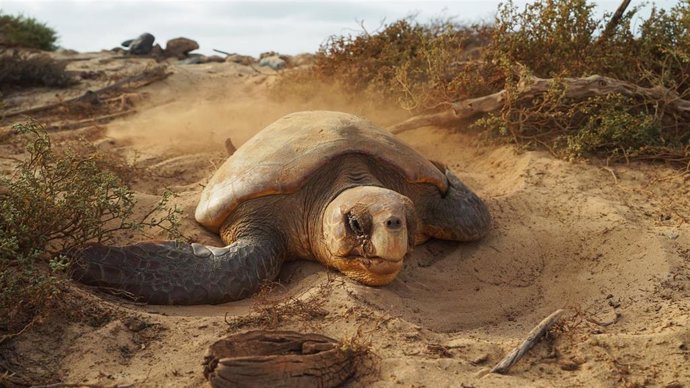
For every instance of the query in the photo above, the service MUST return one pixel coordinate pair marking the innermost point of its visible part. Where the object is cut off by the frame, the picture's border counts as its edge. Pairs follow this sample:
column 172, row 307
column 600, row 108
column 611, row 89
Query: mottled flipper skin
column 171, row 272
column 459, row 215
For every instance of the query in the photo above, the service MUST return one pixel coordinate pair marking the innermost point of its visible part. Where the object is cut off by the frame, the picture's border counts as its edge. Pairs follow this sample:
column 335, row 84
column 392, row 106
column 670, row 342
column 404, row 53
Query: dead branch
column 532, row 87
column 532, row 338
column 613, row 23
column 146, row 77
column 223, row 52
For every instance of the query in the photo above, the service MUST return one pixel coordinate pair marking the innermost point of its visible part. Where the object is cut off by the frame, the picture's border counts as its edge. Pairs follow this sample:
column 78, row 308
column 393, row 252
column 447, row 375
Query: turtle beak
column 389, row 237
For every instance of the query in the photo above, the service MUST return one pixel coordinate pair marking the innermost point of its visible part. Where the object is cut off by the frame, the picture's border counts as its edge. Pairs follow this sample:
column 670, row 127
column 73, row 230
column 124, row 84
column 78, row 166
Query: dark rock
column 180, row 47
column 141, row 45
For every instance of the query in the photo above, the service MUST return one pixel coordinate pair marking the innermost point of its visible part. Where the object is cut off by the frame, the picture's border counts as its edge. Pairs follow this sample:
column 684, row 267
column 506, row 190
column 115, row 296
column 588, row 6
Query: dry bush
column 51, row 203
column 613, row 126
column 426, row 66
column 417, row 66
column 19, row 70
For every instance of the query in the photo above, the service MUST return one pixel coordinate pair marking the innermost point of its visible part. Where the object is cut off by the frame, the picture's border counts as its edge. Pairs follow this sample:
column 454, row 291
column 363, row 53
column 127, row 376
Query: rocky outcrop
column 180, row 47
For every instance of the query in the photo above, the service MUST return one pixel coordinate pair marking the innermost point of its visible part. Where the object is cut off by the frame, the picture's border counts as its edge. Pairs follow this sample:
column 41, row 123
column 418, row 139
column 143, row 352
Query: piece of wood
column 532, row 338
column 532, row 87
column 277, row 358
column 223, row 52
column 613, row 23
column 435, row 119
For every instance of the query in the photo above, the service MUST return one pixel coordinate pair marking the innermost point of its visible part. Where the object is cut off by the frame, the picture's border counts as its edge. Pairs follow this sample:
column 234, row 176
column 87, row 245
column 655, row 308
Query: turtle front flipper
column 171, row 272
column 459, row 215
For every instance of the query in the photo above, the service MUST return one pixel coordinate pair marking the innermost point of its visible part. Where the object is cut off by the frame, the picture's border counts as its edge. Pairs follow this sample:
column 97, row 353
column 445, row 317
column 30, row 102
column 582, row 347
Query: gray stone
column 274, row 62
column 193, row 59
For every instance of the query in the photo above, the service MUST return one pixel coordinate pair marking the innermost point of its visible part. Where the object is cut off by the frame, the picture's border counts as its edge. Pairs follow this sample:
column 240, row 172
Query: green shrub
column 54, row 202
column 22, row 70
column 21, row 31
column 609, row 127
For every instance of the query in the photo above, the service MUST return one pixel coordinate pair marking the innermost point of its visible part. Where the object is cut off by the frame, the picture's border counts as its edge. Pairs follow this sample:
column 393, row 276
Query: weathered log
column 277, row 359
column 532, row 87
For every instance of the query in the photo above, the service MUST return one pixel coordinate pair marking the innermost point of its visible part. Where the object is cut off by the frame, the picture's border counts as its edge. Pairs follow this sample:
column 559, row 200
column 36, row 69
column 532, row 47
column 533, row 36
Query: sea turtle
column 317, row 185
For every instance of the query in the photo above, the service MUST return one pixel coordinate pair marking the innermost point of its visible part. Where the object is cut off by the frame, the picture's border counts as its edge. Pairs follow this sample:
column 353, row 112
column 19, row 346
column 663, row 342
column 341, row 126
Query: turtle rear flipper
column 171, row 272
column 459, row 215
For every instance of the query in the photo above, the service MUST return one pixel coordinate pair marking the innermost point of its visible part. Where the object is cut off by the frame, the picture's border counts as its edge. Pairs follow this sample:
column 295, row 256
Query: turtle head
column 367, row 233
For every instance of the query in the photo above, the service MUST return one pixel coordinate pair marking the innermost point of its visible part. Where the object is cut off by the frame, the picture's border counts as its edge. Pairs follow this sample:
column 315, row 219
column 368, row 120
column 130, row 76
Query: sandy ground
column 611, row 245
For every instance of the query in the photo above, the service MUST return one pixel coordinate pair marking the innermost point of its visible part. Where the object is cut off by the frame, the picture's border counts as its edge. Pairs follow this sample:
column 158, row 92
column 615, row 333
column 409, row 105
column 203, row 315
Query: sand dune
column 608, row 244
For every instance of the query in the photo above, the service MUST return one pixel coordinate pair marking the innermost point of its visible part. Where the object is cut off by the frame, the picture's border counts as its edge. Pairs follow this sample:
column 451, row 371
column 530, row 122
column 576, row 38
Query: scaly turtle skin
column 322, row 186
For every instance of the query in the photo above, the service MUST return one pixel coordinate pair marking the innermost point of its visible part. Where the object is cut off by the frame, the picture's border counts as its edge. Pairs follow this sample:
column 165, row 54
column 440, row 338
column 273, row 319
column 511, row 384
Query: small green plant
column 21, row 31
column 54, row 202
column 610, row 127
column 22, row 70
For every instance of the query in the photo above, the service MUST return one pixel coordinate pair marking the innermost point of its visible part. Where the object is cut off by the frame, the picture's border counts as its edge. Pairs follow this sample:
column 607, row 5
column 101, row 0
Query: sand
column 609, row 244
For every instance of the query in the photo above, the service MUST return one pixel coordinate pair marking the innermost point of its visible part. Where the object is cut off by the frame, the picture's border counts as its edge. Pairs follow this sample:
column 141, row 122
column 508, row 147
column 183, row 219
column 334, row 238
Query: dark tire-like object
column 277, row 359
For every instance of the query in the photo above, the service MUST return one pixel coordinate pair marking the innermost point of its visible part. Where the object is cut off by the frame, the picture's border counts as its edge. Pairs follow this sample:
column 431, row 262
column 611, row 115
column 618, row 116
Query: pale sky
column 245, row 27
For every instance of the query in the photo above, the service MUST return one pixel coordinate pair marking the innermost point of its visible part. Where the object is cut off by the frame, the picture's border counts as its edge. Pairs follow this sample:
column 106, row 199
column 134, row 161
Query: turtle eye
column 354, row 224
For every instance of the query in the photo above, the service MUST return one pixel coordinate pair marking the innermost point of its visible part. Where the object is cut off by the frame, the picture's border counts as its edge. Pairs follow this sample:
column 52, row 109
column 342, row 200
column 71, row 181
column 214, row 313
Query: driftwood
column 146, row 77
column 531, row 87
column 532, row 338
column 277, row 358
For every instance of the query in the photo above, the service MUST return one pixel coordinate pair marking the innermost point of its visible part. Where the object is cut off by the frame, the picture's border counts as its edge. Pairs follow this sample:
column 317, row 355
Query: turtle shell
column 280, row 159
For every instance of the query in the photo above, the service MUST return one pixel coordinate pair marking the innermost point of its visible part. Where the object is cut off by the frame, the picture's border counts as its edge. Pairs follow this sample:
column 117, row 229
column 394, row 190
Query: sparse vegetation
column 427, row 67
column 268, row 312
column 54, row 202
column 23, row 70
column 27, row 32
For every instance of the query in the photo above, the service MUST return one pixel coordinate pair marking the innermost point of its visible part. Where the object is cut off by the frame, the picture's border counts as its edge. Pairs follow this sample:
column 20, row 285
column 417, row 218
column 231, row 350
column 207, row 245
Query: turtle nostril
column 393, row 223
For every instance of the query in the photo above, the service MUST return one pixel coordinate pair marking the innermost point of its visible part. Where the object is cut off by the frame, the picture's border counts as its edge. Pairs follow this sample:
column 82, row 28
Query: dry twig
column 532, row 338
